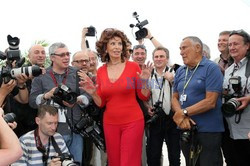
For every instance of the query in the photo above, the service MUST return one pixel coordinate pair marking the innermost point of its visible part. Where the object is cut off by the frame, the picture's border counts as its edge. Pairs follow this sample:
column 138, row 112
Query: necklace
column 113, row 64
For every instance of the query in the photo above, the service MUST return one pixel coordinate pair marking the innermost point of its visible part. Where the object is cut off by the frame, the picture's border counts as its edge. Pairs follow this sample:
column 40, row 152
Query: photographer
column 25, row 114
column 238, row 93
column 196, row 102
column 43, row 143
column 45, row 89
column 10, row 147
column 161, row 125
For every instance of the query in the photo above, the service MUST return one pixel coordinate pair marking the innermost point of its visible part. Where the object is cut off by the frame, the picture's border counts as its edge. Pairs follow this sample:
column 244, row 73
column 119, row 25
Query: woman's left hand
column 146, row 71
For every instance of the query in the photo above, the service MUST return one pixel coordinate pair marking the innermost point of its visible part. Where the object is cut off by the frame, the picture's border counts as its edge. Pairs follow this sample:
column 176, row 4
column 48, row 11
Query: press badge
column 61, row 115
column 183, row 98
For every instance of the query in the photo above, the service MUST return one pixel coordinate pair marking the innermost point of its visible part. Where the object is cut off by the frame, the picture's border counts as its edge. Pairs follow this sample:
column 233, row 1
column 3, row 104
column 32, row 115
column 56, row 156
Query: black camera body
column 66, row 160
column 91, row 31
column 64, row 93
column 90, row 126
column 8, row 72
column 142, row 32
column 230, row 104
column 186, row 135
column 158, row 112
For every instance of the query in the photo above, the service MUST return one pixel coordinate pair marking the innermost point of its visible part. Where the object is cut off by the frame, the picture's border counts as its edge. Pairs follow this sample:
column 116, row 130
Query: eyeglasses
column 241, row 33
column 139, row 46
column 62, row 54
column 130, row 51
column 81, row 61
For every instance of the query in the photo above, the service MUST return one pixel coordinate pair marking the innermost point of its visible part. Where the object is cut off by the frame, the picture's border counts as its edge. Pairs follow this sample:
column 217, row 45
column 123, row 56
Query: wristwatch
column 185, row 112
column 22, row 87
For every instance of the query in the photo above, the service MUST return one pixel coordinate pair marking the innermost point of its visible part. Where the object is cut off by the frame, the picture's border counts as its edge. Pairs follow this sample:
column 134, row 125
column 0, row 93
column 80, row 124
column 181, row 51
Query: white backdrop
column 169, row 20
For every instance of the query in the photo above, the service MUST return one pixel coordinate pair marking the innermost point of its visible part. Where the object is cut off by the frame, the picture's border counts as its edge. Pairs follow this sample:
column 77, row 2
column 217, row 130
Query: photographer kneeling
column 43, row 146
column 236, row 108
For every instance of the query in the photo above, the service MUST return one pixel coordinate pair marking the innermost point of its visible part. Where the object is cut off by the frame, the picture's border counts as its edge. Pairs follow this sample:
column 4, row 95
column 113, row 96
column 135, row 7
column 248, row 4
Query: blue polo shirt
column 206, row 78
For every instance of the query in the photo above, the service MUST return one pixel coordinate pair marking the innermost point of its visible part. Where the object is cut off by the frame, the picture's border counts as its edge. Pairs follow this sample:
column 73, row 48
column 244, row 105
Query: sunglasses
column 62, row 54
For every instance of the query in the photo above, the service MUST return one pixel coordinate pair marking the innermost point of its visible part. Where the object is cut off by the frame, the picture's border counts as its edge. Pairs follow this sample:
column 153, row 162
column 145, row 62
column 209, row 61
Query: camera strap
column 161, row 87
column 52, row 75
column 57, row 149
column 41, row 148
column 247, row 73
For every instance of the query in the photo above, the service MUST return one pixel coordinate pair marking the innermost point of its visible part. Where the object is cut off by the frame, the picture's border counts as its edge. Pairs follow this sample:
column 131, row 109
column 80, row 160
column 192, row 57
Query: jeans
column 75, row 145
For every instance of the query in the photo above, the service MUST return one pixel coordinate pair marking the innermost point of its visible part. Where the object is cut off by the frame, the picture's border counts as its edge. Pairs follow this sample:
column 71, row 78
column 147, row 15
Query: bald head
column 37, row 55
column 81, row 60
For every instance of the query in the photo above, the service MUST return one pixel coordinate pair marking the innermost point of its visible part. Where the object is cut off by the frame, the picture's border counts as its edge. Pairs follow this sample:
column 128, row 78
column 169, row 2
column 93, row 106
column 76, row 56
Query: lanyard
column 186, row 83
column 54, row 78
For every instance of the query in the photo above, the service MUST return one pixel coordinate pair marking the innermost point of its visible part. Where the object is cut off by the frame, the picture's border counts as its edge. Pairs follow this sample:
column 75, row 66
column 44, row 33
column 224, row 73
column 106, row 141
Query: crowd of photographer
column 65, row 115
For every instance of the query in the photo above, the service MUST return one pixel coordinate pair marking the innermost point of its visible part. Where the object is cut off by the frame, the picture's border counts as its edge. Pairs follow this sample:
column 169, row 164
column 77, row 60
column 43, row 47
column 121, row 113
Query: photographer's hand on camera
column 7, row 88
column 12, row 125
column 244, row 102
column 48, row 95
column 84, row 31
column 55, row 162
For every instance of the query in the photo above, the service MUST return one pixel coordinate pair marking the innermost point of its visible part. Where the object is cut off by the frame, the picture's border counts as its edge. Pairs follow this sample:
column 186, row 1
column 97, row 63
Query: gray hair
column 206, row 51
column 195, row 40
column 55, row 46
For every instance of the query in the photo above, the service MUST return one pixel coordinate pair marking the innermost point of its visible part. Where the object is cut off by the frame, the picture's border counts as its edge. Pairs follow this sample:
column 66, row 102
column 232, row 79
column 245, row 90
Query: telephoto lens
column 9, row 118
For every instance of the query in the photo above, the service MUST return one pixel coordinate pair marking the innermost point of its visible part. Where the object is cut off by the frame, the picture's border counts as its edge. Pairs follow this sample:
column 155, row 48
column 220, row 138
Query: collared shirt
column 156, row 86
column 207, row 78
column 240, row 130
column 44, row 83
column 32, row 156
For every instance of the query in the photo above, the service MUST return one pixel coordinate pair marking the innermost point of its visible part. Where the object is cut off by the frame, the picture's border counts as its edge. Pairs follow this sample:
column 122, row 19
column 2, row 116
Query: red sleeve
column 100, row 73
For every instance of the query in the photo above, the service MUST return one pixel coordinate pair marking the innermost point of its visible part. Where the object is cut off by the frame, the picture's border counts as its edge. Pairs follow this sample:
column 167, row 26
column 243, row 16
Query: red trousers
column 124, row 143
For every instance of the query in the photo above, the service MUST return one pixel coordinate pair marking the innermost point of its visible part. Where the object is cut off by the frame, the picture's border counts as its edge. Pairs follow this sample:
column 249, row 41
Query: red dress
column 119, row 97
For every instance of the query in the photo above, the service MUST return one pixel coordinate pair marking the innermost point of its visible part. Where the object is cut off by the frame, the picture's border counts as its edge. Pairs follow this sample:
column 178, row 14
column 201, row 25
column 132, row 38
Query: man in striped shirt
column 37, row 145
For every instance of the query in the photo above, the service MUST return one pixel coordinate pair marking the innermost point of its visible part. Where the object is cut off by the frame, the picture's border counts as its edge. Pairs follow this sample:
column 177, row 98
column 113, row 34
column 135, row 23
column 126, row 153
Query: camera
column 66, row 160
column 142, row 32
column 9, row 117
column 90, row 126
column 64, row 93
column 8, row 72
column 187, row 135
column 230, row 100
column 91, row 31
column 158, row 112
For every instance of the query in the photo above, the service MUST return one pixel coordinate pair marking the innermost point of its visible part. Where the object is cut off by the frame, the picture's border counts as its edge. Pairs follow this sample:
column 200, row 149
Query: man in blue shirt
column 197, row 101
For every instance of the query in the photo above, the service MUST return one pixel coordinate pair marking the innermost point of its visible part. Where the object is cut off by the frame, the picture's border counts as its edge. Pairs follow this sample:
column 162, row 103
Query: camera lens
column 9, row 118
column 230, row 107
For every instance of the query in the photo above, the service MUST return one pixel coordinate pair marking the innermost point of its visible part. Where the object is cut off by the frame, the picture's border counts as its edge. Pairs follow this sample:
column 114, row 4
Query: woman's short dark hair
column 101, row 44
